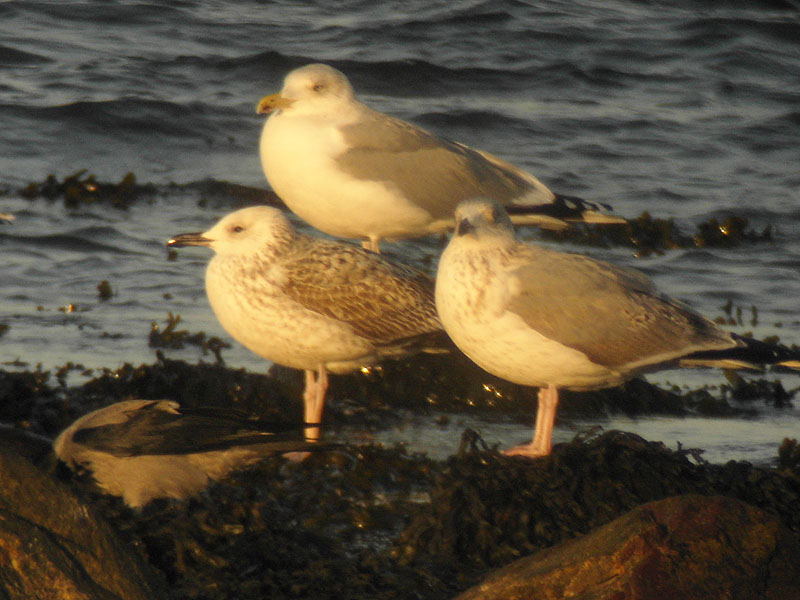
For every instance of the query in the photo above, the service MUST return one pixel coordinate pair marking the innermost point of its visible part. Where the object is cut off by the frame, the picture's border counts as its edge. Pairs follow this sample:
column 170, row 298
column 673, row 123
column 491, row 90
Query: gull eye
column 464, row 227
column 318, row 87
column 238, row 229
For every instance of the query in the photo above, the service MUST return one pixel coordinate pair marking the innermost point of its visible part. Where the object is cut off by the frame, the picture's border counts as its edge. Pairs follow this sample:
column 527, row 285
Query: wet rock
column 689, row 547
column 27, row 444
column 54, row 546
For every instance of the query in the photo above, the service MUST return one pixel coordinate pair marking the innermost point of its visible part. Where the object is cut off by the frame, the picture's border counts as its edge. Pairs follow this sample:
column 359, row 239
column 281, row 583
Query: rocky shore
column 366, row 521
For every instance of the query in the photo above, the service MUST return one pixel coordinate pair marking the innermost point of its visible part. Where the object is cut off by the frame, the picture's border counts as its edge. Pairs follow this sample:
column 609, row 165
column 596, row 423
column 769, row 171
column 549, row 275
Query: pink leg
column 314, row 401
column 542, row 442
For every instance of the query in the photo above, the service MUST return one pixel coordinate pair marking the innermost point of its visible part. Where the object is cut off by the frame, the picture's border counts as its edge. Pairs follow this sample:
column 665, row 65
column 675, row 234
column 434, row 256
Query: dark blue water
column 686, row 112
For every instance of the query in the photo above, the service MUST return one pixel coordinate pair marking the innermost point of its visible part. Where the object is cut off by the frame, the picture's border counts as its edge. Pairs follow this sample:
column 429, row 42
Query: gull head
column 482, row 219
column 245, row 232
column 312, row 89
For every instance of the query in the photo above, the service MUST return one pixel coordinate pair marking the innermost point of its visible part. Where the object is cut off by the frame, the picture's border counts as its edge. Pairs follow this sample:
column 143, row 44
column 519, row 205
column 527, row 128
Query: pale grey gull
column 311, row 303
column 353, row 172
column 554, row 320
column 141, row 450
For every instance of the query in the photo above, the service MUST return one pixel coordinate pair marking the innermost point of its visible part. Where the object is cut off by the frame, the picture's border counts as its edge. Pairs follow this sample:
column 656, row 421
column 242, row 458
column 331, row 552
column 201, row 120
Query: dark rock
column 27, row 444
column 54, row 546
column 689, row 547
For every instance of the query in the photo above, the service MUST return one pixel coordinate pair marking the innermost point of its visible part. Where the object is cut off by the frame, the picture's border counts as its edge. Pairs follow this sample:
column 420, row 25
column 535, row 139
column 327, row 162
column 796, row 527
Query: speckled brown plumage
column 311, row 303
column 382, row 301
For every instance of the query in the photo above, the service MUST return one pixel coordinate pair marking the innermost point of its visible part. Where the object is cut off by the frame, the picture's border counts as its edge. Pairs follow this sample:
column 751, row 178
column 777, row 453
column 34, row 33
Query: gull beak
column 271, row 103
column 188, row 239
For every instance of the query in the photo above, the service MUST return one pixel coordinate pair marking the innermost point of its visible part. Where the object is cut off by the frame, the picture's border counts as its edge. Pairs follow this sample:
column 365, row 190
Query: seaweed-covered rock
column 317, row 529
column 689, row 547
column 54, row 546
column 365, row 521
column 487, row 509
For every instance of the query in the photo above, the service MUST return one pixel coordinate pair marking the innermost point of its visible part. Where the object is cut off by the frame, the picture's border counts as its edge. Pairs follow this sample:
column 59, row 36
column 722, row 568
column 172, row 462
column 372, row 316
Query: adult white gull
column 353, row 172
column 556, row 320
column 311, row 303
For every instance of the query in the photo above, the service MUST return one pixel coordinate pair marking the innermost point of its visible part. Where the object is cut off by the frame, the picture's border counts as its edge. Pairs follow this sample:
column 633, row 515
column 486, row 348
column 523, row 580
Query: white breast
column 277, row 328
column 297, row 155
column 471, row 296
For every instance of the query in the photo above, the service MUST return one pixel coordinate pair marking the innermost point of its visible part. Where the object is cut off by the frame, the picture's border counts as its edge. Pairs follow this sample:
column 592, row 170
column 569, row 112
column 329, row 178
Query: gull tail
column 750, row 354
column 431, row 342
column 556, row 214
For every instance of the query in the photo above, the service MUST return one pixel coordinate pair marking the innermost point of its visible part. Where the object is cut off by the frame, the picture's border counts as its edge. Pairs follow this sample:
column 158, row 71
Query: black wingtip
column 566, row 208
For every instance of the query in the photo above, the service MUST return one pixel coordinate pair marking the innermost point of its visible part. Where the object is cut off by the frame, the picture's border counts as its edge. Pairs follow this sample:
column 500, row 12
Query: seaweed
column 104, row 291
column 645, row 233
column 170, row 337
column 364, row 521
column 82, row 187
column 648, row 234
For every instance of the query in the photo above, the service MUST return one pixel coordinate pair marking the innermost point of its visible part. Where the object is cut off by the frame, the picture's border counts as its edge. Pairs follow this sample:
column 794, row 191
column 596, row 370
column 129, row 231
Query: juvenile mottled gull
column 353, row 172
column 556, row 320
column 147, row 449
column 310, row 303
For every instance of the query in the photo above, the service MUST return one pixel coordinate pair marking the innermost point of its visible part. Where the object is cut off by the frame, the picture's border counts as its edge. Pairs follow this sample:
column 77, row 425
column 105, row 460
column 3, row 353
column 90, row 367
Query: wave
column 474, row 119
column 113, row 13
column 83, row 240
column 10, row 57
column 131, row 118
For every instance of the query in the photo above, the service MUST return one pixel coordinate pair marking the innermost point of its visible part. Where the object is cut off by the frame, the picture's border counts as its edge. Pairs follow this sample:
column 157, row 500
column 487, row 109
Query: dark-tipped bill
column 188, row 239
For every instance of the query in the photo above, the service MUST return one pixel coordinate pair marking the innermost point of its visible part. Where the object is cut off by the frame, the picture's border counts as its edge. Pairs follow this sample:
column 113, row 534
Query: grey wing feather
column 615, row 316
column 382, row 301
column 433, row 173
column 157, row 428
